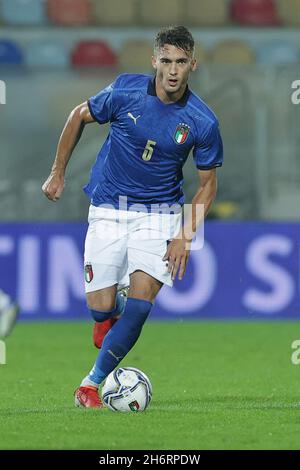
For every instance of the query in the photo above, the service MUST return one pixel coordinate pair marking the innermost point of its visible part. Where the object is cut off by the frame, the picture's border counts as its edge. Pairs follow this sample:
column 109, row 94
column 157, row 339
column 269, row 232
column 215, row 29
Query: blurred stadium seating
column 232, row 52
column 254, row 12
column 160, row 13
column 135, row 56
column 200, row 53
column 110, row 13
column 207, row 13
column 93, row 54
column 10, row 53
column 69, row 12
column 114, row 12
column 289, row 12
column 23, row 12
column 278, row 53
column 47, row 54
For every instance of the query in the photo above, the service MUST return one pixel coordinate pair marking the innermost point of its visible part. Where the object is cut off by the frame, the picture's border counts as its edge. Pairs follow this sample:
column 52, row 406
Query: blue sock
column 120, row 303
column 100, row 316
column 120, row 339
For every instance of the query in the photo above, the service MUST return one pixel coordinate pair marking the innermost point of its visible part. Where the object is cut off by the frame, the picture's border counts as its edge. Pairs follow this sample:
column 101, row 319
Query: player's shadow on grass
column 39, row 411
column 229, row 402
column 187, row 405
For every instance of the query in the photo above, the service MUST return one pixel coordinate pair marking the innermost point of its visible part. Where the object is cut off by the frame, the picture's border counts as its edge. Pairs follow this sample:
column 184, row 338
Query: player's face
column 173, row 67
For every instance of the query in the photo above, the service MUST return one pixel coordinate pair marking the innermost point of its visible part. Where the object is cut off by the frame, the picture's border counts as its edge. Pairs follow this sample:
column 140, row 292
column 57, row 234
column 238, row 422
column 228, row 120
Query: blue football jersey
column 148, row 143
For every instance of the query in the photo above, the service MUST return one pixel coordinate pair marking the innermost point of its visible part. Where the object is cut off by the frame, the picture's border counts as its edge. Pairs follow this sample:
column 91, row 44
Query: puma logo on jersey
column 134, row 118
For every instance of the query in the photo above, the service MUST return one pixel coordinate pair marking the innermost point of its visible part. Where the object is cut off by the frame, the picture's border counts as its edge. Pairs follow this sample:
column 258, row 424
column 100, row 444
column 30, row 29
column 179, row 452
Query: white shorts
column 119, row 242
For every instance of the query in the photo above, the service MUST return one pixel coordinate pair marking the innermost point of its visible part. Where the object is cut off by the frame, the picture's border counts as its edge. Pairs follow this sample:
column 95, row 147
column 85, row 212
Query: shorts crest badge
column 88, row 272
column 181, row 133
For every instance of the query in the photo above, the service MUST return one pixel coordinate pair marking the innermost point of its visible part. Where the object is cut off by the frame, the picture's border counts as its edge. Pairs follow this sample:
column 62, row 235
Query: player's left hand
column 177, row 255
column 54, row 186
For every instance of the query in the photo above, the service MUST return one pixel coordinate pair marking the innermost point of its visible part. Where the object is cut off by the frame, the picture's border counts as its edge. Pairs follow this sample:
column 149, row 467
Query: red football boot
column 100, row 330
column 87, row 397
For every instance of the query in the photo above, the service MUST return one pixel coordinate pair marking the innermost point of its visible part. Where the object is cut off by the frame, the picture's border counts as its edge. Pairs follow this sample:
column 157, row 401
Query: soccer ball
column 127, row 389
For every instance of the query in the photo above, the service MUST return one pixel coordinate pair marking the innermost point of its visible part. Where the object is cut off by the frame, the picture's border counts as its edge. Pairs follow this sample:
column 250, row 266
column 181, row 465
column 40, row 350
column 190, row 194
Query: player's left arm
column 201, row 202
column 178, row 250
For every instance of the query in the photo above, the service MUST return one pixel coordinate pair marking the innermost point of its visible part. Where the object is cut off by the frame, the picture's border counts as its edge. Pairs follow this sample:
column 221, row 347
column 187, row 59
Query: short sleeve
column 101, row 105
column 208, row 150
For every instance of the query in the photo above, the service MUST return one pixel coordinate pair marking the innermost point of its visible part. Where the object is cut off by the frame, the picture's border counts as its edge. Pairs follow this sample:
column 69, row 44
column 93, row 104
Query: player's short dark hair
column 178, row 36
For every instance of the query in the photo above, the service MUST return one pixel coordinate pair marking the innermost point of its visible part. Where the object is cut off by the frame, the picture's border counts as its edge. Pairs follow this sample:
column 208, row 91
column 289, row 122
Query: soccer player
column 9, row 311
column 135, row 190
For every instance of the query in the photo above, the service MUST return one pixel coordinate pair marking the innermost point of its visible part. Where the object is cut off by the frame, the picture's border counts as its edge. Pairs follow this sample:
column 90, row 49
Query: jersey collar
column 152, row 91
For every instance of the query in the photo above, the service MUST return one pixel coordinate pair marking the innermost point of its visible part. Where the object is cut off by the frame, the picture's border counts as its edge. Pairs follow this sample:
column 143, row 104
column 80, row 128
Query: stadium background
column 54, row 54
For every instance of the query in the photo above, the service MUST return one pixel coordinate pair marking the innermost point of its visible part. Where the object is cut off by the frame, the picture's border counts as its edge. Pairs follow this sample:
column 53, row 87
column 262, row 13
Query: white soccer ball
column 127, row 389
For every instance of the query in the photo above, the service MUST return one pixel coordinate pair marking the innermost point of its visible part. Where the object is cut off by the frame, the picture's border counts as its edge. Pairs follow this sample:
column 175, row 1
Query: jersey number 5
column 147, row 154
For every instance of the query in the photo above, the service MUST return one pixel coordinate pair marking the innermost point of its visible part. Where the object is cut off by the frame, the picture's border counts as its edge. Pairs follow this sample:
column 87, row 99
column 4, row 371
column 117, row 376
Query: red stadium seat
column 254, row 12
column 69, row 12
column 93, row 54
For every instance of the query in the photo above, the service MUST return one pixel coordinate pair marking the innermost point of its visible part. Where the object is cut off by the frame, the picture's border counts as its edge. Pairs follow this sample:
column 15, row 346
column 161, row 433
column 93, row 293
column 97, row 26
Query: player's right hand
column 53, row 186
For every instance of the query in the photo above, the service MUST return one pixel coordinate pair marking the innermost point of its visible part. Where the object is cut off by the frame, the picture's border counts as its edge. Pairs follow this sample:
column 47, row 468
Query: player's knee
column 101, row 303
column 101, row 308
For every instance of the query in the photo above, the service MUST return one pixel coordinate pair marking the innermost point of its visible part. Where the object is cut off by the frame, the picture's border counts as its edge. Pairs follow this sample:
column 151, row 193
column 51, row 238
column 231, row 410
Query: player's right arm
column 78, row 118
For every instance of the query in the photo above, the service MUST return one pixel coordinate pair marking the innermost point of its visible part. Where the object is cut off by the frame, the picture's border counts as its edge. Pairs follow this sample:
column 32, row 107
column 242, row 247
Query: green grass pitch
column 215, row 386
